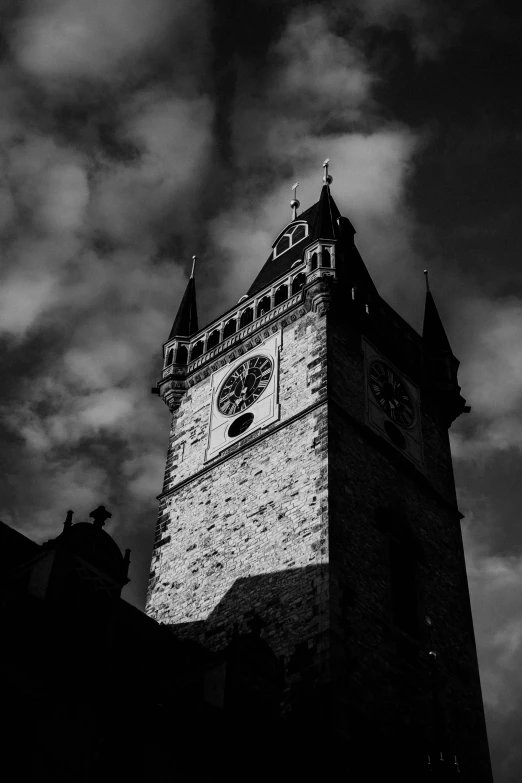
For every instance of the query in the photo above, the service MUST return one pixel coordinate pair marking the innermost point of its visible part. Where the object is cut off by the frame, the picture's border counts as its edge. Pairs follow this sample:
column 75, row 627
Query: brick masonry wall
column 286, row 528
column 251, row 534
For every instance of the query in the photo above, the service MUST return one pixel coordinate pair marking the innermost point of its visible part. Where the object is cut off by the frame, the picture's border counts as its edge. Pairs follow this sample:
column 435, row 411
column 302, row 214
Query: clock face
column 245, row 385
column 391, row 393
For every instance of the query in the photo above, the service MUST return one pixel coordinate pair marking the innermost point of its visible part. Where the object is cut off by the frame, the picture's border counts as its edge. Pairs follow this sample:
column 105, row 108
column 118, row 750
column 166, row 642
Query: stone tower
column 309, row 501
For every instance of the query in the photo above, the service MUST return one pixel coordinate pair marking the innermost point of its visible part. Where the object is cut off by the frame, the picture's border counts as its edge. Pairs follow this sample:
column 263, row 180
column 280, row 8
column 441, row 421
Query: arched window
column 247, row 316
column 313, row 262
column 181, row 354
column 197, row 350
column 291, row 237
column 283, row 244
column 213, row 339
column 170, row 356
column 327, row 258
column 263, row 306
column 298, row 234
column 230, row 328
column 298, row 282
column 281, row 294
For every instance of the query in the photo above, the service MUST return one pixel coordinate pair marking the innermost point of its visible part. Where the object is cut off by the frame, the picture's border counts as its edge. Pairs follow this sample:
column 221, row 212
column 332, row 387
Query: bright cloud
column 491, row 374
column 496, row 594
column 70, row 39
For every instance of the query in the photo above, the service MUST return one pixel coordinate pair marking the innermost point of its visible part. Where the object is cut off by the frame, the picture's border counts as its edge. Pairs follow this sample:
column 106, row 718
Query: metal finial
column 194, row 259
column 327, row 179
column 427, row 280
column 295, row 204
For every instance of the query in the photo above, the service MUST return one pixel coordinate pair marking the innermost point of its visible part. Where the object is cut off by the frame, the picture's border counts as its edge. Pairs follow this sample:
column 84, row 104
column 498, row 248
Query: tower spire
column 186, row 321
column 434, row 335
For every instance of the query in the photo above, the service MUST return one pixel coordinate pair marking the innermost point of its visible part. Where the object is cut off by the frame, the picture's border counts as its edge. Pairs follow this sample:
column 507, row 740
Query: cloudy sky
column 134, row 134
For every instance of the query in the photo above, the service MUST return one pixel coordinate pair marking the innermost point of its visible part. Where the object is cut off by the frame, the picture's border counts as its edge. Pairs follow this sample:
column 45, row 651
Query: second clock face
column 245, row 385
column 391, row 393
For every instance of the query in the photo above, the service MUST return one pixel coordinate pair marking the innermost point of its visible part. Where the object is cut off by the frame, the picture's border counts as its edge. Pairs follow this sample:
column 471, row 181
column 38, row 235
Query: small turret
column 186, row 321
column 177, row 353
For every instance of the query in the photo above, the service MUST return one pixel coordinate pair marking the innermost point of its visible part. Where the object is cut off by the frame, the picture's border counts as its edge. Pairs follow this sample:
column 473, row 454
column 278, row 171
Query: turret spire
column 433, row 333
column 186, row 321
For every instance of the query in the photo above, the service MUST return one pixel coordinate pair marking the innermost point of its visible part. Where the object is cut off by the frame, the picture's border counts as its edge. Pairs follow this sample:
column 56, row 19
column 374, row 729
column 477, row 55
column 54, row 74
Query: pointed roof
column 322, row 224
column 434, row 336
column 326, row 216
column 186, row 321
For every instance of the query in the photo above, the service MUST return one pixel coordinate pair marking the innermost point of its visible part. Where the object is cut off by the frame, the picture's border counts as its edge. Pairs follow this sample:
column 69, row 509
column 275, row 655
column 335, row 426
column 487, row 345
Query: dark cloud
column 133, row 135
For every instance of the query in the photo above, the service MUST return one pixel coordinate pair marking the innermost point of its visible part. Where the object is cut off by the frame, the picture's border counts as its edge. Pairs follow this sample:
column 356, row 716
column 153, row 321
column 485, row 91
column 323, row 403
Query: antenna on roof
column 295, row 204
column 194, row 259
column 327, row 179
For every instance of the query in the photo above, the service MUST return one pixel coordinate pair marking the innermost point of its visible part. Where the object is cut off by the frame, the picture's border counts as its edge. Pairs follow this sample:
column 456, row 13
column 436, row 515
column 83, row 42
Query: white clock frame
column 265, row 409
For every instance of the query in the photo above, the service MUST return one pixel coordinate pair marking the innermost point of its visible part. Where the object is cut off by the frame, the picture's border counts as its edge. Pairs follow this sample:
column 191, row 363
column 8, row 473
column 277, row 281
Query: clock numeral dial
column 245, row 385
column 391, row 394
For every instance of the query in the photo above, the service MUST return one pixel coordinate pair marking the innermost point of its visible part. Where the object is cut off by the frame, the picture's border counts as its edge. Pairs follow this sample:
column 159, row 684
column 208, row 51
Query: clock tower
column 308, row 517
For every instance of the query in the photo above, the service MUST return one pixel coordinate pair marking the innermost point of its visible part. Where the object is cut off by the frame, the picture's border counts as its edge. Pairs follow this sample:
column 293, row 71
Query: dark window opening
column 247, row 316
column 313, row 262
column 170, row 357
column 213, row 339
column 197, row 350
column 281, row 294
column 298, row 234
column 240, row 425
column 327, row 258
column 182, row 355
column 230, row 328
column 283, row 244
column 263, row 306
column 298, row 282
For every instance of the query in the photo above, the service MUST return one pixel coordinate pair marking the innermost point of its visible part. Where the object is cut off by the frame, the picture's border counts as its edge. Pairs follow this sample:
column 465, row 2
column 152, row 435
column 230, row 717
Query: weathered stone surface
column 285, row 526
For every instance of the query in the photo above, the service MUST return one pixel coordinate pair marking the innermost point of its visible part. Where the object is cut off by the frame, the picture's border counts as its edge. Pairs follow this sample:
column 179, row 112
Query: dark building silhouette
column 308, row 612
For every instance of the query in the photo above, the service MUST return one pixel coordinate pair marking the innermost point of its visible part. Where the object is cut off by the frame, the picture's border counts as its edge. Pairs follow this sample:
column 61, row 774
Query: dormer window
column 291, row 237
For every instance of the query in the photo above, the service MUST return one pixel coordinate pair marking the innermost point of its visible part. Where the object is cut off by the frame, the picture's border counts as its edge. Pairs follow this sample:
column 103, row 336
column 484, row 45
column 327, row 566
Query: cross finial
column 427, row 280
column 100, row 516
column 295, row 204
column 327, row 179
column 194, row 259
